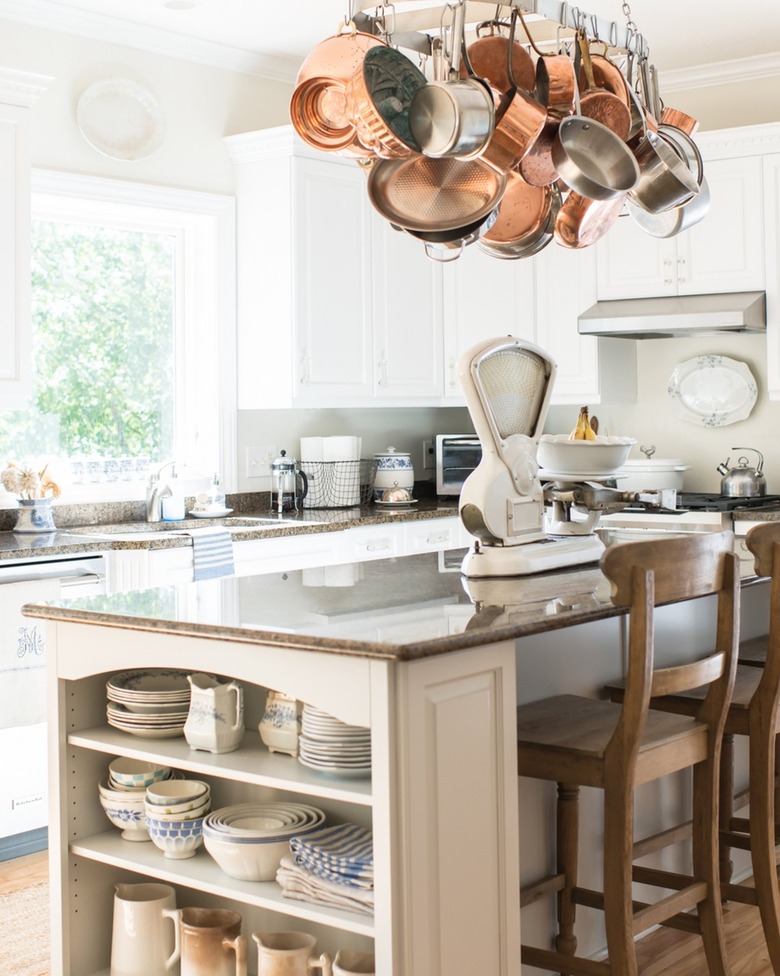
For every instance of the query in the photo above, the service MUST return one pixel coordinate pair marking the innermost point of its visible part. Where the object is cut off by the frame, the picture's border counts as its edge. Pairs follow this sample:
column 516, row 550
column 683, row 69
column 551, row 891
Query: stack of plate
column 151, row 703
column 330, row 745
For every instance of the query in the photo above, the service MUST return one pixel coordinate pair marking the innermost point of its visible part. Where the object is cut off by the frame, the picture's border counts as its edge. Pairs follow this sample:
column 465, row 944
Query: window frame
column 204, row 227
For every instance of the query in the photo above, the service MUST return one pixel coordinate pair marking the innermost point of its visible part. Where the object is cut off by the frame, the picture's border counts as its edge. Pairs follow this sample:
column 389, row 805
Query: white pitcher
column 145, row 936
column 215, row 722
column 289, row 954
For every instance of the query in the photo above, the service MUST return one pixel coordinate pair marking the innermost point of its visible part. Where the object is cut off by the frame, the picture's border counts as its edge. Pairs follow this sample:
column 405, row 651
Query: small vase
column 35, row 515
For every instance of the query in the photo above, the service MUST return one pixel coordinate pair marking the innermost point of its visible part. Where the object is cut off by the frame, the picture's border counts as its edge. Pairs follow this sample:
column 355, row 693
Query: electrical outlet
column 258, row 461
column 429, row 459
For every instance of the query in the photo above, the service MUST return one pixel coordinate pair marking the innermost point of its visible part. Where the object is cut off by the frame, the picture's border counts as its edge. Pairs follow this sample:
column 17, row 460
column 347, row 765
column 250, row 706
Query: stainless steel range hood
column 684, row 315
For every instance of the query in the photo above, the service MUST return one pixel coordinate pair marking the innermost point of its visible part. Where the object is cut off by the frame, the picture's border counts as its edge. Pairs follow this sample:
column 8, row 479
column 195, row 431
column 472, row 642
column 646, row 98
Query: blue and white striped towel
column 344, row 854
column 213, row 553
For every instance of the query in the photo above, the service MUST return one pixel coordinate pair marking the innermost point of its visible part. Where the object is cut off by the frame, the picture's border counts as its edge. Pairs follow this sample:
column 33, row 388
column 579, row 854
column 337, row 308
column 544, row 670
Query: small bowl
column 135, row 773
column 129, row 816
column 170, row 814
column 247, row 858
column 174, row 792
column 188, row 807
column 177, row 839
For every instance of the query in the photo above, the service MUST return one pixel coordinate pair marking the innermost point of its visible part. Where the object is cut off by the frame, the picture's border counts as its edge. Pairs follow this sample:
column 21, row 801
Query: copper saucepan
column 598, row 102
column 488, row 57
column 582, row 222
column 555, row 87
column 680, row 120
column 525, row 222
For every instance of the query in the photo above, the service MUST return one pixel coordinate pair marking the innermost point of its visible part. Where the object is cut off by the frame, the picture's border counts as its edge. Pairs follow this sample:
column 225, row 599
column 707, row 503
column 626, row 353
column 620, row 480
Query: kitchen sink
column 149, row 531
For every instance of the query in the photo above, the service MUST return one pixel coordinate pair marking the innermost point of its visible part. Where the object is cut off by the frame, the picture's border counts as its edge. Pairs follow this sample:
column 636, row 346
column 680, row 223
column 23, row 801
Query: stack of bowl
column 123, row 792
column 174, row 811
column 249, row 840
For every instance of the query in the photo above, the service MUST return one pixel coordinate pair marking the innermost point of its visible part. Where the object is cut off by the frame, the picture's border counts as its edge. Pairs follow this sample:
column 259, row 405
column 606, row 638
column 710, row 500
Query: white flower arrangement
column 28, row 483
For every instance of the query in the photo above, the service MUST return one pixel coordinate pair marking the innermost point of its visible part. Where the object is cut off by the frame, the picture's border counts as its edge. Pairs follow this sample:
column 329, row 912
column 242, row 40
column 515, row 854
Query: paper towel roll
column 340, row 448
column 311, row 449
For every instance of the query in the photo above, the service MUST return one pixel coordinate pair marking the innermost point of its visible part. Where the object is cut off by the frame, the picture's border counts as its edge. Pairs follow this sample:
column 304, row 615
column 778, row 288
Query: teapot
column 289, row 485
column 743, row 481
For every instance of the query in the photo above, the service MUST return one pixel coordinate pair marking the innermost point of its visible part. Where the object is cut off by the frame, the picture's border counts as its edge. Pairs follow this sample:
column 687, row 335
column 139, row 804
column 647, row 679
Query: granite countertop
column 101, row 537
column 401, row 609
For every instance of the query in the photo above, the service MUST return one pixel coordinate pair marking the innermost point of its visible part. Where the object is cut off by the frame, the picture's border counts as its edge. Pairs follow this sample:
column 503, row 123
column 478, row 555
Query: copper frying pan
column 598, row 103
column 488, row 57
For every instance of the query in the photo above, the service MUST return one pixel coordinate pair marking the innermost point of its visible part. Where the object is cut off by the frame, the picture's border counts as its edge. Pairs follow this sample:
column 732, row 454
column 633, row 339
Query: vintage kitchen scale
column 508, row 383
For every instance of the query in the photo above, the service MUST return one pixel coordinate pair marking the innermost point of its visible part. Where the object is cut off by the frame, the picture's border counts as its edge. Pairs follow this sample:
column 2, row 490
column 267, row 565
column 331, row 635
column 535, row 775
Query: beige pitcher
column 211, row 942
column 215, row 722
column 145, row 936
column 289, row 954
column 350, row 963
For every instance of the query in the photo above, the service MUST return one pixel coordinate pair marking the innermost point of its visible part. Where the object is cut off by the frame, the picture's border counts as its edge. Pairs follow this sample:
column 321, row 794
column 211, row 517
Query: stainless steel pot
column 743, row 481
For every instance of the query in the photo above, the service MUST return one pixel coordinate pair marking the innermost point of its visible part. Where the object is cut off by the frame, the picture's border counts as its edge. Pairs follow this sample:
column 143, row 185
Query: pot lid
column 391, row 452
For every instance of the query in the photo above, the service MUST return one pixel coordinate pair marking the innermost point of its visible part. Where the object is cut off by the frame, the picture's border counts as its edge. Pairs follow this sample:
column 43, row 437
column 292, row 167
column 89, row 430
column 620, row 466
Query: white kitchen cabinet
column 772, row 209
column 19, row 90
column 722, row 253
column 590, row 369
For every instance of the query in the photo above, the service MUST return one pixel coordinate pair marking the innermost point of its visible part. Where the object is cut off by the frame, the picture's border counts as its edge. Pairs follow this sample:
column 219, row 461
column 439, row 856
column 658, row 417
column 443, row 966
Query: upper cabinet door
column 19, row 90
column 407, row 312
column 484, row 298
column 331, row 262
column 632, row 264
column 725, row 252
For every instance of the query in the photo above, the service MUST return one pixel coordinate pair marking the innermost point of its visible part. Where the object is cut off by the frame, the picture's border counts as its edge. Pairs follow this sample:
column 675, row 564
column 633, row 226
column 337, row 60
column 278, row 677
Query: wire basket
column 338, row 484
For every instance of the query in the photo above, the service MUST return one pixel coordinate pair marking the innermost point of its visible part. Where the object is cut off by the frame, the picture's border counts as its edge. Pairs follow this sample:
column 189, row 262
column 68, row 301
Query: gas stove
column 694, row 501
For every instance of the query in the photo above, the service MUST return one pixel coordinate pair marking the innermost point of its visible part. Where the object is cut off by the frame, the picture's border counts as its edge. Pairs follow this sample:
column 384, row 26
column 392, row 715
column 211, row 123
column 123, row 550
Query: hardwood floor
column 663, row 953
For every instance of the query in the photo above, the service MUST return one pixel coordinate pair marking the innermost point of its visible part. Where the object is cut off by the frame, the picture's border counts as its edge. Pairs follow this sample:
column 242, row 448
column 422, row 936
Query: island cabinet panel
column 441, row 801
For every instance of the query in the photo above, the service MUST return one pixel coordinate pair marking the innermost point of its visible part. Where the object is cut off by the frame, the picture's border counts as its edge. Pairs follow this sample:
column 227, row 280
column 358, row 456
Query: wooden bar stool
column 753, row 712
column 578, row 742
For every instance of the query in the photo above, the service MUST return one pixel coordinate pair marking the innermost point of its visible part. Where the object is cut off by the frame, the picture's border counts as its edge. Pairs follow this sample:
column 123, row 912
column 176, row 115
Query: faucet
column 155, row 491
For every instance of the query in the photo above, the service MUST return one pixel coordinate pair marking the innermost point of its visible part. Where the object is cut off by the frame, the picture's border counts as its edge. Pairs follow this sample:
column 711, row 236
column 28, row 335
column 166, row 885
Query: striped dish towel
column 298, row 883
column 213, row 553
column 344, row 854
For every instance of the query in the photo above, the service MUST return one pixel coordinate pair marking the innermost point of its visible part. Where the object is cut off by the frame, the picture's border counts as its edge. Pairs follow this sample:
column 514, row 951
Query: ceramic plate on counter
column 211, row 513
column 713, row 391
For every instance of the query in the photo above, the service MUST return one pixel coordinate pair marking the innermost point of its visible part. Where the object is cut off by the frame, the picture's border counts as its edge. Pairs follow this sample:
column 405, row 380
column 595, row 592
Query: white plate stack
column 330, row 745
column 151, row 703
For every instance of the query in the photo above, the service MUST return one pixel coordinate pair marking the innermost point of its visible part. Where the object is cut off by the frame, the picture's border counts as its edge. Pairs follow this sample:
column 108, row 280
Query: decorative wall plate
column 713, row 391
column 121, row 119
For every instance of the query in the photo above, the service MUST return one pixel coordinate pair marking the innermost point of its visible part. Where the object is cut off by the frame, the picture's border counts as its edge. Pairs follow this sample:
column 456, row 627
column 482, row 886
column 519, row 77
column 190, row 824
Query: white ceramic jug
column 145, row 936
column 280, row 724
column 215, row 722
column 289, row 954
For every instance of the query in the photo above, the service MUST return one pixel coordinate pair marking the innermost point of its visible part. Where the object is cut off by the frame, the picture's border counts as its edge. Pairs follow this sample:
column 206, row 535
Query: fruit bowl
column 560, row 457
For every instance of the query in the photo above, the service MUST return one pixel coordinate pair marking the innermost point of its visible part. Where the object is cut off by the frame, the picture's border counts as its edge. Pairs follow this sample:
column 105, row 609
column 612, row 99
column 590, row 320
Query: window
column 133, row 335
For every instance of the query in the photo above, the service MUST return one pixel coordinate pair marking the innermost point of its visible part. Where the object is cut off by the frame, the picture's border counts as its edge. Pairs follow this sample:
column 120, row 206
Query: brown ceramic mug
column 211, row 942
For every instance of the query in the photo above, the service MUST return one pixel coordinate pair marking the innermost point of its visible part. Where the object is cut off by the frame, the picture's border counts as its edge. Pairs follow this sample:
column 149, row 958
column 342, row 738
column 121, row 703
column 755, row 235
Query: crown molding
column 114, row 30
column 722, row 72
column 22, row 88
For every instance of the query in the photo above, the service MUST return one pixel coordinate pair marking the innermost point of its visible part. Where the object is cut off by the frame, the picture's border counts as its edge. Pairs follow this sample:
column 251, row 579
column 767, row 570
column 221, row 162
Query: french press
column 289, row 485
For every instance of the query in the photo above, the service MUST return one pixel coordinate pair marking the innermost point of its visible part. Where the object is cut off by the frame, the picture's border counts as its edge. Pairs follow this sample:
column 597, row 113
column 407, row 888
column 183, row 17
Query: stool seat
column 553, row 732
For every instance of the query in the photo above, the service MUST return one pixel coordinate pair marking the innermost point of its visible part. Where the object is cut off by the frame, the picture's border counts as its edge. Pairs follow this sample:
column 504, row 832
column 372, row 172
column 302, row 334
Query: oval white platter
column 713, row 391
column 121, row 119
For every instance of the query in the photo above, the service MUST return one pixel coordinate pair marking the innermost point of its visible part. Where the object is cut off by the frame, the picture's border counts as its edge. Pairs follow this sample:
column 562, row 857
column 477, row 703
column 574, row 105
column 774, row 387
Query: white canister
column 394, row 469
column 652, row 473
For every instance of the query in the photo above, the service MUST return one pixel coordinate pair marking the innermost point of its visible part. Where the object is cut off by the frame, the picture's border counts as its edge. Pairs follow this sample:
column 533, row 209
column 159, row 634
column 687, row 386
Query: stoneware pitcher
column 215, row 722
column 145, row 936
column 211, row 942
column 280, row 724
column 289, row 954
column 349, row 963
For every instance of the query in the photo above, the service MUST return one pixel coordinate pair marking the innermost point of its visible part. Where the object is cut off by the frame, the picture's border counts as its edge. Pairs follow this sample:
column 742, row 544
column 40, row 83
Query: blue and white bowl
column 177, row 839
column 135, row 773
column 128, row 815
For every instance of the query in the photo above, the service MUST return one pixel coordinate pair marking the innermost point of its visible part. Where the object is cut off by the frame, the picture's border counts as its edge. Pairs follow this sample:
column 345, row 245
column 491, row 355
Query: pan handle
column 443, row 255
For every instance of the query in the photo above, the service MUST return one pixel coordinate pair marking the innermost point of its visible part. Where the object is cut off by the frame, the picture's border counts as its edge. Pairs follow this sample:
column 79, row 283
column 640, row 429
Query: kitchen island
column 432, row 663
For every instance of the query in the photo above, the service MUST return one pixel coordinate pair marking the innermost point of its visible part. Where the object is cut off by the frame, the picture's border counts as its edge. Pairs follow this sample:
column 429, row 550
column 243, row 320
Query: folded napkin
column 298, row 883
column 213, row 553
column 343, row 854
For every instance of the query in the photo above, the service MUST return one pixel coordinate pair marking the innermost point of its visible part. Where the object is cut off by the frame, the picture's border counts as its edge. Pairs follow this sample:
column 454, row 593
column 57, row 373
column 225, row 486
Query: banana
column 583, row 431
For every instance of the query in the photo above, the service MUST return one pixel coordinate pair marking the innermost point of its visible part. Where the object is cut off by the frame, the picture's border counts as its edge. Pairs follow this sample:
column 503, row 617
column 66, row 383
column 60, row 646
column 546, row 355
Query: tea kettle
column 289, row 485
column 743, row 481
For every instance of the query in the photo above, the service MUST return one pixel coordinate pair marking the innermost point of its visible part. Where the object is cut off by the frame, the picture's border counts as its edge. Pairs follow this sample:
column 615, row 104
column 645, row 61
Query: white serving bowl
column 177, row 839
column 246, row 858
column 178, row 791
column 558, row 455
column 134, row 773
column 128, row 815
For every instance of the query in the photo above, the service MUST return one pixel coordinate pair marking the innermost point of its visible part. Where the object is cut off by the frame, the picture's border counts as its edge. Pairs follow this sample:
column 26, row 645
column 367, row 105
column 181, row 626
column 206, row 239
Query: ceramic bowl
column 128, row 815
column 578, row 459
column 177, row 839
column 157, row 812
column 175, row 792
column 136, row 773
column 246, row 858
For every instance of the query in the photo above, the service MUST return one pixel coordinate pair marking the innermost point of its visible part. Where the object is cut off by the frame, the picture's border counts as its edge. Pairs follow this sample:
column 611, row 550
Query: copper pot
column 488, row 56
column 556, row 82
column 686, row 123
column 526, row 217
column 600, row 104
column 582, row 222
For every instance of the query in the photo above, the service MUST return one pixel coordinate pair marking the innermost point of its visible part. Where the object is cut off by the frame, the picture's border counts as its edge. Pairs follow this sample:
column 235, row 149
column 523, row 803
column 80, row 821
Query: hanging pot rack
column 548, row 21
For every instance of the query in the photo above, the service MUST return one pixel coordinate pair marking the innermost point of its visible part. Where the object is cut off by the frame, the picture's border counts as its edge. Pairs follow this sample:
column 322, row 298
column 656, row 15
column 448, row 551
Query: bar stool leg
column 762, row 838
column 726, row 804
column 618, row 876
column 705, row 850
column 567, row 853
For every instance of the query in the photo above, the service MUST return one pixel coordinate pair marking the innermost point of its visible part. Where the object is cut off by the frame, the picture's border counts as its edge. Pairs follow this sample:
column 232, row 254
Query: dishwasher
column 23, row 737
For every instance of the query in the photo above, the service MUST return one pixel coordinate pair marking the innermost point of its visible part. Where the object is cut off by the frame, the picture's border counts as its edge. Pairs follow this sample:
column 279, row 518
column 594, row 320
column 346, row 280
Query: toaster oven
column 456, row 457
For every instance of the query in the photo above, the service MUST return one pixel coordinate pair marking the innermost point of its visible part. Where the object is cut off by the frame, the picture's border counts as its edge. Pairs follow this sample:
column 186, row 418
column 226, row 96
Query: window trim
column 211, row 218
